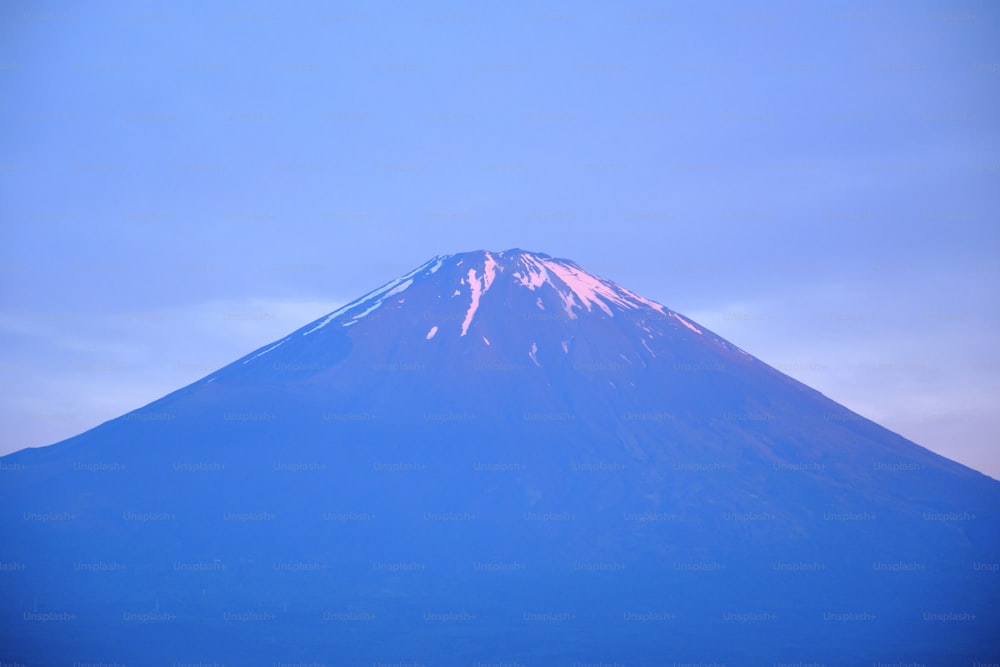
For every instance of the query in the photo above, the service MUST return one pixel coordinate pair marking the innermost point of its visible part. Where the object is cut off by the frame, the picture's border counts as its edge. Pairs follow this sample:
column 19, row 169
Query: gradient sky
column 818, row 182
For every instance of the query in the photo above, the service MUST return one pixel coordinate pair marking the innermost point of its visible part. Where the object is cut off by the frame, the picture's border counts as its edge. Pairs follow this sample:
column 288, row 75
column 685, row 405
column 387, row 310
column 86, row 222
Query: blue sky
column 818, row 182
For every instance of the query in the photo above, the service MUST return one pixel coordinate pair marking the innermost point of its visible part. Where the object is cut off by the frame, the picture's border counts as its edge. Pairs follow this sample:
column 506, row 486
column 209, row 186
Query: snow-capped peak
column 559, row 285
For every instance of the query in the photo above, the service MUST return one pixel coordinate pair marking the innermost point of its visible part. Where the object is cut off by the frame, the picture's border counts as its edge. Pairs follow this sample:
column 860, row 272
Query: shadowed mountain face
column 497, row 458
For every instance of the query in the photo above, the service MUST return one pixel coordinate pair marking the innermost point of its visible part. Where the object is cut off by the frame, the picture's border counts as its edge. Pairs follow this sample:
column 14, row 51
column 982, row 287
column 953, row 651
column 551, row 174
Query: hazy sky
column 818, row 182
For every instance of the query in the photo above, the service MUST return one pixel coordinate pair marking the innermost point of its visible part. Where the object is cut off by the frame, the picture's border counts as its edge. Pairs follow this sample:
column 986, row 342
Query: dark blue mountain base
column 497, row 459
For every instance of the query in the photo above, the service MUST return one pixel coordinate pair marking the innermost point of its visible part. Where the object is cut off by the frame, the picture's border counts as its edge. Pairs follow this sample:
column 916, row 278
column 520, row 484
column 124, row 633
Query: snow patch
column 486, row 340
column 591, row 290
column 584, row 286
column 334, row 314
column 374, row 294
column 534, row 274
column 568, row 303
column 643, row 300
column 686, row 323
column 395, row 290
column 430, row 334
column 265, row 351
column 437, row 265
column 489, row 271
column 533, row 352
column 479, row 284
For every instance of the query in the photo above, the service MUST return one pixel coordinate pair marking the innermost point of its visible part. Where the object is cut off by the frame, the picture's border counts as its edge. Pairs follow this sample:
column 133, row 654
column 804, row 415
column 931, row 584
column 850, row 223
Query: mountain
column 497, row 458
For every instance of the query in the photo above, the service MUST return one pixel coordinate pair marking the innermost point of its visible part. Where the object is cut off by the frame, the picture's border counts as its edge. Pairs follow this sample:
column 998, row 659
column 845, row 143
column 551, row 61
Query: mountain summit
column 477, row 295
column 556, row 285
column 497, row 457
